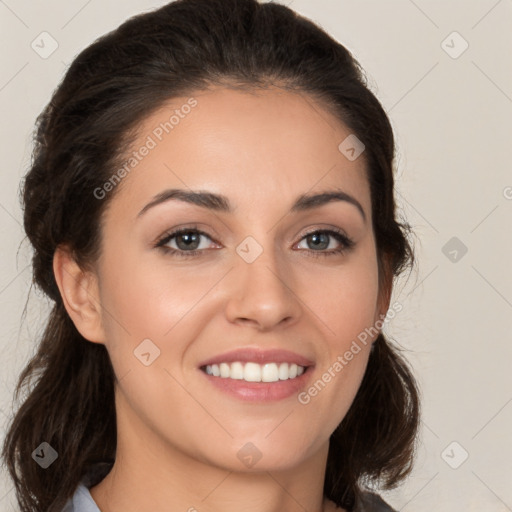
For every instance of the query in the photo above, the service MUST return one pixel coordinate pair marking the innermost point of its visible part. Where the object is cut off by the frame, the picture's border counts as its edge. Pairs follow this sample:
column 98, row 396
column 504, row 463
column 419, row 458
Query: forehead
column 251, row 146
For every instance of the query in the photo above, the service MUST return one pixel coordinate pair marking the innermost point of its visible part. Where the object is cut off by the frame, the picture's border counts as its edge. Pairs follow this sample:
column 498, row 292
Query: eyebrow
column 220, row 203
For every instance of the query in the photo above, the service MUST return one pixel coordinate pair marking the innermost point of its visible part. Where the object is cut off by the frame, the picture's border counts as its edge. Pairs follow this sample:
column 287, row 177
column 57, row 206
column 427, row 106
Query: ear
column 385, row 289
column 80, row 294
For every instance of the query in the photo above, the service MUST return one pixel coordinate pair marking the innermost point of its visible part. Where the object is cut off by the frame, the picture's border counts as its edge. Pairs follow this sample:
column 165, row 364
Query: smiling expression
column 276, row 252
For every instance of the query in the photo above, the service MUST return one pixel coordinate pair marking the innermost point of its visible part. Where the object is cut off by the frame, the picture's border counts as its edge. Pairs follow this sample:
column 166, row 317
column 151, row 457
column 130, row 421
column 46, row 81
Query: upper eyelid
column 170, row 235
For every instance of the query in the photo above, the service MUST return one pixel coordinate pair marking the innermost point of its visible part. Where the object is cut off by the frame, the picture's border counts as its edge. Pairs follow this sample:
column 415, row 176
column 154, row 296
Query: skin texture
column 178, row 436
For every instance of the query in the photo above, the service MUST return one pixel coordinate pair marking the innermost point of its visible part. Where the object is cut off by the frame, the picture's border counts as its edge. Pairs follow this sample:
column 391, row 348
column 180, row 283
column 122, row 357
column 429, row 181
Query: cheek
column 346, row 300
column 160, row 303
column 148, row 300
column 349, row 312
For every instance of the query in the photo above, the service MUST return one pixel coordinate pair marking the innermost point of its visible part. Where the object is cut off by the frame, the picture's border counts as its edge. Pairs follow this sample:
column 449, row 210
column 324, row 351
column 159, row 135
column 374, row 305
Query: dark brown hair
column 81, row 137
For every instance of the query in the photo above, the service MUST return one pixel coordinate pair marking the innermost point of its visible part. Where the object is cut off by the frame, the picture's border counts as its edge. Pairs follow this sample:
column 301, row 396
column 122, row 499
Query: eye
column 188, row 242
column 320, row 240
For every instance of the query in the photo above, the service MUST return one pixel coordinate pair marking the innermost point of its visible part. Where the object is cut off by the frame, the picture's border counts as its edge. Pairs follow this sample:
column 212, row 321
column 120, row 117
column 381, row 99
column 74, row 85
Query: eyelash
column 346, row 243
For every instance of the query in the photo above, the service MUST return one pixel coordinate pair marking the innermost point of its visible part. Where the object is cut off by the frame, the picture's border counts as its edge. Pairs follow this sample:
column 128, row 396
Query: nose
column 262, row 292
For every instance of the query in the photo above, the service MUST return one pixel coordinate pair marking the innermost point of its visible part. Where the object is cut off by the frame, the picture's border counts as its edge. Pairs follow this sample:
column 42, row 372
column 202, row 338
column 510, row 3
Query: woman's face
column 252, row 278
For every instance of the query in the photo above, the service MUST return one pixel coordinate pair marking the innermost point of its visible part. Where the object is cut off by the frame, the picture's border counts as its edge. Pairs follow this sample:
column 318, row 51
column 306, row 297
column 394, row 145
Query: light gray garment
column 81, row 501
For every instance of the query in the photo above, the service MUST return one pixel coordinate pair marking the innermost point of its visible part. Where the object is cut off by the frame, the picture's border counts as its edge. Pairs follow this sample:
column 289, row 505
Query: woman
column 212, row 214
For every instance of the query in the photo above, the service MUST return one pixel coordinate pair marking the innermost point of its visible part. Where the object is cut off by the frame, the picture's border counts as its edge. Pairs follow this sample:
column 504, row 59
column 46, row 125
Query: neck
column 151, row 474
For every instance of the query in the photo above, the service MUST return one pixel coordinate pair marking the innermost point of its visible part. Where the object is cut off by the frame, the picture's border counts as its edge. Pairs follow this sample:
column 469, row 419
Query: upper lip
column 255, row 355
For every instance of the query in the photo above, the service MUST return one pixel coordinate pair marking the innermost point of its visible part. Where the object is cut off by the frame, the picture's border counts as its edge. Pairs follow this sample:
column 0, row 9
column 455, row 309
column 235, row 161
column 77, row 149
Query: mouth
column 255, row 372
column 256, row 375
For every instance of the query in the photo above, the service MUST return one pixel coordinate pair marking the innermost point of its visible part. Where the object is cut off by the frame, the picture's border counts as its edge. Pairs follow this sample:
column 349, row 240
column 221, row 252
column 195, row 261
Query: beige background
column 451, row 114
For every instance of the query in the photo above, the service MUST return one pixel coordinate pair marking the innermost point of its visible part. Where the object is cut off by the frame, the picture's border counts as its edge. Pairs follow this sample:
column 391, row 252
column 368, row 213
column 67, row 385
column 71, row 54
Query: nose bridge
column 263, row 284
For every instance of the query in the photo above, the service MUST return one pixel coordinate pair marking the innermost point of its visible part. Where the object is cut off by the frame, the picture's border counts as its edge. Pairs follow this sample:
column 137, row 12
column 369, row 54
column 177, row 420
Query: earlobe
column 79, row 292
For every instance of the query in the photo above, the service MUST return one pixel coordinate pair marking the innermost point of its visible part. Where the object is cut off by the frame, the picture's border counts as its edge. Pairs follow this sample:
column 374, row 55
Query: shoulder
column 371, row 502
column 367, row 502
column 81, row 501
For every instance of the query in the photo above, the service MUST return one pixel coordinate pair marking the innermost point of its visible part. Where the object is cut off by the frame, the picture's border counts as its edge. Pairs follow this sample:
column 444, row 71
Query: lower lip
column 261, row 391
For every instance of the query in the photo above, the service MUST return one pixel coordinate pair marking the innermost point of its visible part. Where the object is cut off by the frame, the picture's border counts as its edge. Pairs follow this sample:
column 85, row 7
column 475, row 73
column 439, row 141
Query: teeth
column 254, row 372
